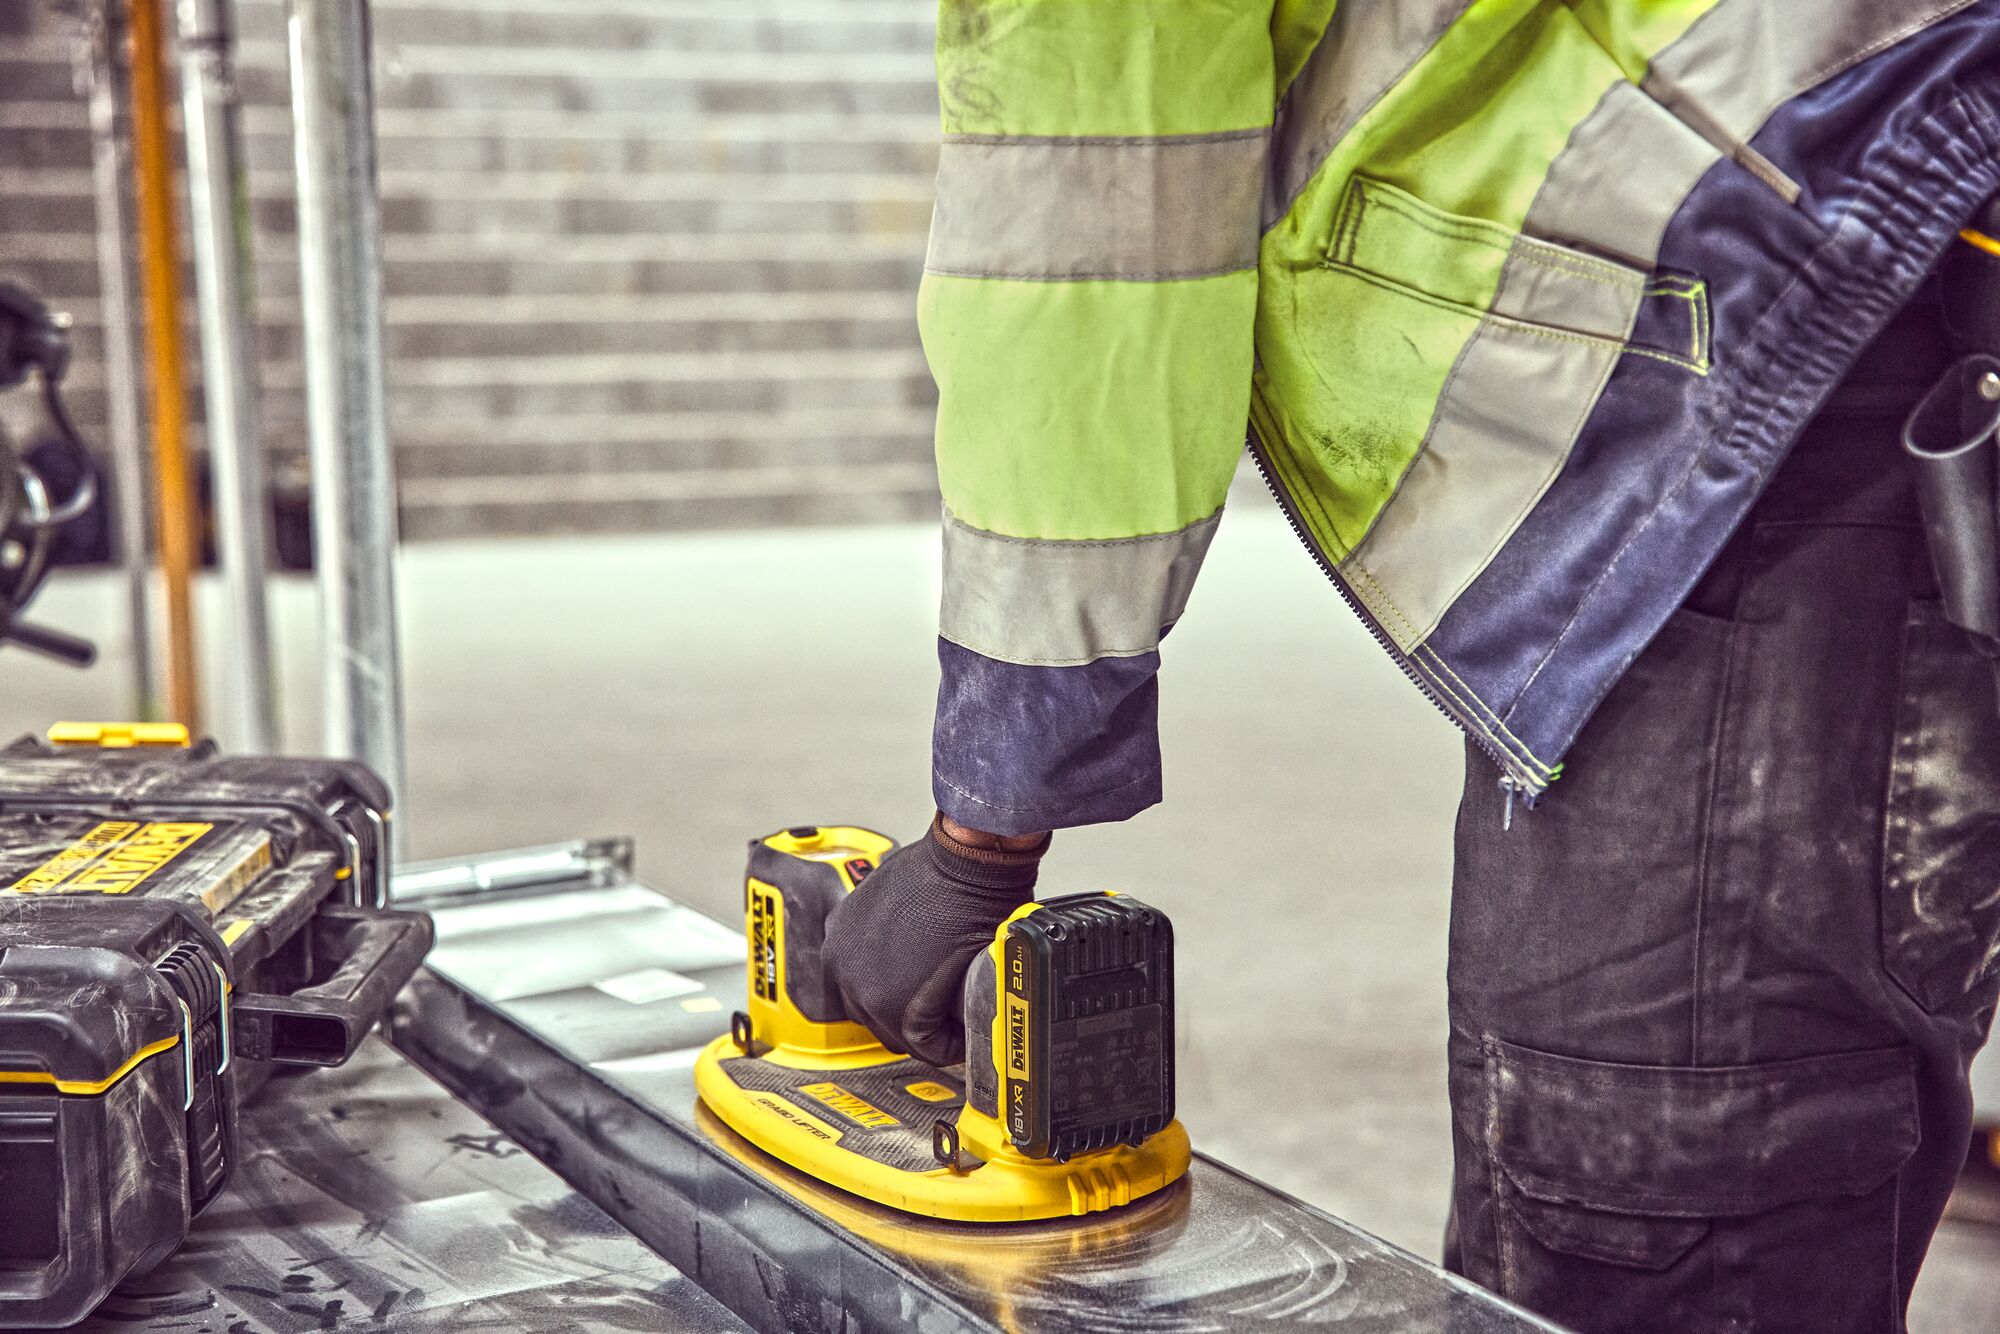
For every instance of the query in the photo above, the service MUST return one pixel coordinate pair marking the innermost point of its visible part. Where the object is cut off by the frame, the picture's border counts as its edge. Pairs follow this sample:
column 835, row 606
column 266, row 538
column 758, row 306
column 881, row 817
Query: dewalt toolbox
column 174, row 923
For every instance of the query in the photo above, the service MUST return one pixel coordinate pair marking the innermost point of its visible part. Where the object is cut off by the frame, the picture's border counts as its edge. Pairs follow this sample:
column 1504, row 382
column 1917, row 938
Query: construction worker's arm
column 1087, row 312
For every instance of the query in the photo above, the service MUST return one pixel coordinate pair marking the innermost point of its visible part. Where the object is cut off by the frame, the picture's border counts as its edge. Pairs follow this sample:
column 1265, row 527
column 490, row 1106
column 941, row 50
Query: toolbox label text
column 858, row 1110
column 124, row 863
column 76, row 856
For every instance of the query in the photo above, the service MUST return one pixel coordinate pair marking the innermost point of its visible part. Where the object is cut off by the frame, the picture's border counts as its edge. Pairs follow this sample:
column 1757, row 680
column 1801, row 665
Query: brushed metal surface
column 367, row 1198
column 572, row 1019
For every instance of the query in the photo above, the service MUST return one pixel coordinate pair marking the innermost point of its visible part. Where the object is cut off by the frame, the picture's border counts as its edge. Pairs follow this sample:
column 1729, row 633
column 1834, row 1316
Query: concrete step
column 34, row 76
column 622, row 148
column 684, row 25
column 753, row 274
column 648, row 502
column 610, row 272
column 737, row 27
column 752, row 148
column 554, row 223
column 43, row 146
column 647, row 262
column 421, row 328
column 664, row 83
column 640, row 442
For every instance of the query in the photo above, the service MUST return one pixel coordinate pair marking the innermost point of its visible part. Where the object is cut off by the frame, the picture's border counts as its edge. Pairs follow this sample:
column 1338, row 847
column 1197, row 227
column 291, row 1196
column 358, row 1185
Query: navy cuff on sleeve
column 1018, row 750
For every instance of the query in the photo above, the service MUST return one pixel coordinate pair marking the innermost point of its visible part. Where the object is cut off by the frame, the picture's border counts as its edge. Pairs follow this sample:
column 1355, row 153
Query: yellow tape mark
column 1980, row 240
column 90, row 1087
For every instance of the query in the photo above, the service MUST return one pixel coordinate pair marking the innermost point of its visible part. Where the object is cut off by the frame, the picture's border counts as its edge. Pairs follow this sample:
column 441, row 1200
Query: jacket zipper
column 1507, row 779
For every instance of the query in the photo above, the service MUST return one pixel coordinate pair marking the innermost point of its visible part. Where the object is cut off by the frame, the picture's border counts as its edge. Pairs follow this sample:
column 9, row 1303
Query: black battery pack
column 174, row 924
column 1087, row 1008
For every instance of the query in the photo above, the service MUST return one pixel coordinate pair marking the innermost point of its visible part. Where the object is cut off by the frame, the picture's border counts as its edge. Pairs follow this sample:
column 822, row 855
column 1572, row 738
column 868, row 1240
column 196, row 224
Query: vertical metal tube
column 353, row 474
column 160, row 281
column 219, row 199
column 110, row 162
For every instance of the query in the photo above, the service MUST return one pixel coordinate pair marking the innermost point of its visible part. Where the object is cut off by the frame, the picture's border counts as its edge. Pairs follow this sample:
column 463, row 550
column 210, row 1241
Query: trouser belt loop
column 1950, row 436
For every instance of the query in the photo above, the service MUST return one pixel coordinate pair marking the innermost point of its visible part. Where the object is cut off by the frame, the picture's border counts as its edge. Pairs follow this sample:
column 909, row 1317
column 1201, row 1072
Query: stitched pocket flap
column 1699, row 1142
column 1470, row 262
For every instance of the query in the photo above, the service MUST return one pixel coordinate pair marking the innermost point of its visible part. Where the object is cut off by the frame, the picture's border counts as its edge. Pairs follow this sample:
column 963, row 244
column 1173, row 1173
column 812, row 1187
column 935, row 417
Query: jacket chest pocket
column 1454, row 363
column 1520, row 284
column 1941, row 849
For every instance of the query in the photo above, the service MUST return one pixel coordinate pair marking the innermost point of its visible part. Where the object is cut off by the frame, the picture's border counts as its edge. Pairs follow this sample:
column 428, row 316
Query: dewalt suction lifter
column 1065, row 1103
column 174, row 923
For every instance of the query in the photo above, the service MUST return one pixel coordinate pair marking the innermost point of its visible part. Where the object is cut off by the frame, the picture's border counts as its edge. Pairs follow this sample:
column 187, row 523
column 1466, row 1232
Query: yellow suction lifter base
column 864, row 1120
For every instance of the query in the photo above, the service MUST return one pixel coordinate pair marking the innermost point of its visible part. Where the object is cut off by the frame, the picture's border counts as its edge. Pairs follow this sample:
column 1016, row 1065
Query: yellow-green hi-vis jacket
column 1522, row 301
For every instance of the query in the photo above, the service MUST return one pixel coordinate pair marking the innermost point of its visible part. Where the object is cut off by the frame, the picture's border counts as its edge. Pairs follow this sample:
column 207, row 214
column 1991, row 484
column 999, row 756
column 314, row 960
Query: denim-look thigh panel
column 1575, row 928
column 1788, row 957
column 1941, row 846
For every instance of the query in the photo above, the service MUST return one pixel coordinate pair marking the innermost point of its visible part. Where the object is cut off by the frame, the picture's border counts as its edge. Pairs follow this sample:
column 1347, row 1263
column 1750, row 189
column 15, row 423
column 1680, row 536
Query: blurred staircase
column 649, row 263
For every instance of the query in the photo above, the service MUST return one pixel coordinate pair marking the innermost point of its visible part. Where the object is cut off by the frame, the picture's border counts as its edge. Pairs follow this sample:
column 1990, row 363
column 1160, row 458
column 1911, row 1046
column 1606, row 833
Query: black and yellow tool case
column 174, row 924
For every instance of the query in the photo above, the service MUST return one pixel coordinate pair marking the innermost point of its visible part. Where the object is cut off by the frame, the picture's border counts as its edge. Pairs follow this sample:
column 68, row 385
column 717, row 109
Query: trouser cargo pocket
column 1621, row 1197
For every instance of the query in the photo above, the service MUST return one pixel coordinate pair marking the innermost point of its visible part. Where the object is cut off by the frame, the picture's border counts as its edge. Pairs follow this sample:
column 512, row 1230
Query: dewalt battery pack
column 174, row 924
column 1083, row 1052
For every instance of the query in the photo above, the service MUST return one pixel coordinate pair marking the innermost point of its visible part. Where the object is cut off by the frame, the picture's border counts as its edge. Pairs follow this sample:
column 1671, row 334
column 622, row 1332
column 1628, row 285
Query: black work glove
column 898, row 946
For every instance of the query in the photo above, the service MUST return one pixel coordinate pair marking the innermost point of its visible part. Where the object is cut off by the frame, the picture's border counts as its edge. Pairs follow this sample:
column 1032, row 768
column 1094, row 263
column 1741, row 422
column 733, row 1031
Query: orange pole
column 159, row 273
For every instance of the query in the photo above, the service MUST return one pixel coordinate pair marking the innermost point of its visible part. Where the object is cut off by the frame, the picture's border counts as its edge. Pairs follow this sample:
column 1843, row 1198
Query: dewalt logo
column 115, row 857
column 763, row 943
column 124, row 866
column 1017, row 1037
column 858, row 1110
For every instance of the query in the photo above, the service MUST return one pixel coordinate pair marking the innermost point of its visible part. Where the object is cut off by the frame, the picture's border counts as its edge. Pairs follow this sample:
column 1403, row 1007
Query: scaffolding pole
column 219, row 202
column 353, row 473
column 159, row 263
column 99, row 77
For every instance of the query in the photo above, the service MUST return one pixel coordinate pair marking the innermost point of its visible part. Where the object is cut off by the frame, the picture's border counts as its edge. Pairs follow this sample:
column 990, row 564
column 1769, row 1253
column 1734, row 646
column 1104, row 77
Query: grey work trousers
column 1713, row 1001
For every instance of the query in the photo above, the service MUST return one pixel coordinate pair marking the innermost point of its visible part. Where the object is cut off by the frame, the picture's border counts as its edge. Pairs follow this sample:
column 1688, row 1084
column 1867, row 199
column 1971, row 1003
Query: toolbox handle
column 321, row 1025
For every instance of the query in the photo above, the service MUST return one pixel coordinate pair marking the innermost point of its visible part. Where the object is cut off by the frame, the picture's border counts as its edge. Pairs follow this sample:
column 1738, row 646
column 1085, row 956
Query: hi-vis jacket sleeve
column 1087, row 311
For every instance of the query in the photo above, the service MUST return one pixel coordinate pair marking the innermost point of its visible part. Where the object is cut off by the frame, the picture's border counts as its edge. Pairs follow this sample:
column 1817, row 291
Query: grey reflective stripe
column 1512, row 409
column 1369, row 45
column 1593, row 196
column 1705, row 95
column 1063, row 604
column 1518, row 398
column 1564, row 289
column 1142, row 209
column 1743, row 59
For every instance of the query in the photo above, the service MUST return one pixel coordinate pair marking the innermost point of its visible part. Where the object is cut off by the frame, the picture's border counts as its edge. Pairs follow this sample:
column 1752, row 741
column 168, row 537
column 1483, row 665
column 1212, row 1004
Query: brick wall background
column 649, row 263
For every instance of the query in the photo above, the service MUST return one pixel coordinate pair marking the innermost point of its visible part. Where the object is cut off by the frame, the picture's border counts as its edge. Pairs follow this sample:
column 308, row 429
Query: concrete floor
column 695, row 691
